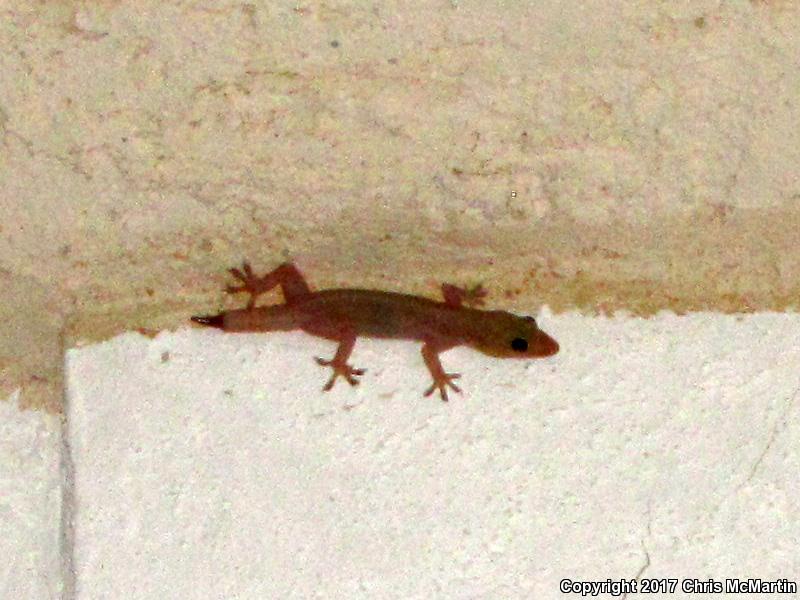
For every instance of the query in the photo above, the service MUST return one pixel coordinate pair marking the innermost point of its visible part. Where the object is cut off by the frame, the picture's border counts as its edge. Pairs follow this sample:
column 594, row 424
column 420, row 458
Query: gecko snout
column 546, row 345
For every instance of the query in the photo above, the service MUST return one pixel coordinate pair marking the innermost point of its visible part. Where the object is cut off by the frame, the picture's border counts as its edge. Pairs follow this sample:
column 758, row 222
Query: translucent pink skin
column 343, row 315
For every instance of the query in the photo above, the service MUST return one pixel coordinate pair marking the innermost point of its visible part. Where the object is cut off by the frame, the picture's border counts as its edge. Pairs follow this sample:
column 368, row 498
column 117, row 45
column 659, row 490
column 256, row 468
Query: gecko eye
column 519, row 344
column 530, row 320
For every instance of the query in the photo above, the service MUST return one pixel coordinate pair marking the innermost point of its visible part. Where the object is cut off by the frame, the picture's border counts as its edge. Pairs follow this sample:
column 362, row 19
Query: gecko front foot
column 475, row 295
column 455, row 296
column 340, row 369
column 442, row 383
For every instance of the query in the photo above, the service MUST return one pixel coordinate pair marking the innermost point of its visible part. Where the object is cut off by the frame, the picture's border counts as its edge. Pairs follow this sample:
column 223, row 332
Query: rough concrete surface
column 31, row 526
column 639, row 155
column 616, row 156
column 210, row 465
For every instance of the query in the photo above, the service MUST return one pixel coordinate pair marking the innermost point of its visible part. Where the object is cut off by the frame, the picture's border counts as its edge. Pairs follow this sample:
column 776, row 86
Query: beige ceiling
column 604, row 156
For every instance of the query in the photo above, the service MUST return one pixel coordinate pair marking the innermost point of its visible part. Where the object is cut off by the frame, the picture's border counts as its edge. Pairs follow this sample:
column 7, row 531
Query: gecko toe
column 350, row 374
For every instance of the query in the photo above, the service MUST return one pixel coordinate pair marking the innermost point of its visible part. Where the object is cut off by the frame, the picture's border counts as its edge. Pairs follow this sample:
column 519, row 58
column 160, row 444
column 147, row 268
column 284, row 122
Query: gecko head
column 505, row 335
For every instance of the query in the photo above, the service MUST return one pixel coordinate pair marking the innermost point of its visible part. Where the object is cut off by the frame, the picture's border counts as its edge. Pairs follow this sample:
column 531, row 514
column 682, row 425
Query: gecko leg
column 455, row 296
column 287, row 276
column 339, row 363
column 441, row 380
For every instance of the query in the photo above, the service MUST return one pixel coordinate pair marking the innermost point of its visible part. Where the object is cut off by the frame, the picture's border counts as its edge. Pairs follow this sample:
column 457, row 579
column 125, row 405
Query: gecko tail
column 210, row 320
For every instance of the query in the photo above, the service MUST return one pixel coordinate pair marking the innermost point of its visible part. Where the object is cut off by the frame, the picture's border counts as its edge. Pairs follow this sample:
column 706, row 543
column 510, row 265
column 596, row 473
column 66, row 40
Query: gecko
column 342, row 315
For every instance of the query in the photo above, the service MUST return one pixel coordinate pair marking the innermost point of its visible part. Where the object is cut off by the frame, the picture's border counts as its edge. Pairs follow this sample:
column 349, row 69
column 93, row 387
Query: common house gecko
column 342, row 315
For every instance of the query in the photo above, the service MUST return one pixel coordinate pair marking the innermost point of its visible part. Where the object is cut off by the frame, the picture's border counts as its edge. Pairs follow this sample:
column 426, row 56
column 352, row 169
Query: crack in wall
column 646, row 564
column 67, row 531
column 778, row 426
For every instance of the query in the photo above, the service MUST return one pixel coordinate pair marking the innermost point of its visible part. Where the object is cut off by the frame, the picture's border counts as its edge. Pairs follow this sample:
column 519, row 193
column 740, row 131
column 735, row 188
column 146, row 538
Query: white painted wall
column 210, row 465
column 31, row 539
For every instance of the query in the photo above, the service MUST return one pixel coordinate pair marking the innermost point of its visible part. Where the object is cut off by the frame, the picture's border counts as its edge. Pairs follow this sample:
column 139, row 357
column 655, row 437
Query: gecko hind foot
column 340, row 370
column 250, row 283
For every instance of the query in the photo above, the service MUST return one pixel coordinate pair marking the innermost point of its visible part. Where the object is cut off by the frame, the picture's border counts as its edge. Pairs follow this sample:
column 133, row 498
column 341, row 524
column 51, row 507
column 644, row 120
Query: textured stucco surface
column 31, row 534
column 621, row 155
column 211, row 464
column 637, row 155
